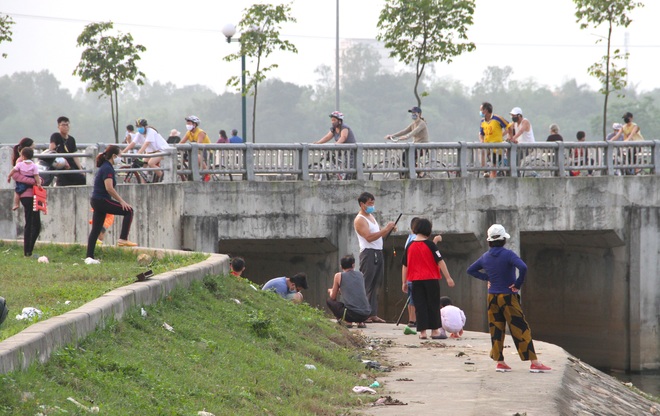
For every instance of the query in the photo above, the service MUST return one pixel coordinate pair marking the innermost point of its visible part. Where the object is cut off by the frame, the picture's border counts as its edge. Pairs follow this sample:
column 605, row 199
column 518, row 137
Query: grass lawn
column 66, row 282
column 232, row 350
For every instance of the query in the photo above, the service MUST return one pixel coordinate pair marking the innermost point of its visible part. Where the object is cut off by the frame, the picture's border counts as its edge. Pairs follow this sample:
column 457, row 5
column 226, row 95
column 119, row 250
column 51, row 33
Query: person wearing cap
column 288, row 287
column 492, row 130
column 520, row 130
column 498, row 267
column 615, row 135
column 417, row 130
column 196, row 135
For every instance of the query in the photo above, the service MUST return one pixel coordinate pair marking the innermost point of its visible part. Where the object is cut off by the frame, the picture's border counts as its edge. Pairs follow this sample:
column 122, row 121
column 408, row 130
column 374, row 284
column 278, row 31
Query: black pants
column 426, row 295
column 373, row 268
column 342, row 312
column 101, row 208
column 32, row 225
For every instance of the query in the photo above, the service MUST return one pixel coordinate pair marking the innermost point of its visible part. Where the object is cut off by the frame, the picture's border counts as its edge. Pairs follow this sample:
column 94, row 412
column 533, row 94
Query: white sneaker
column 90, row 260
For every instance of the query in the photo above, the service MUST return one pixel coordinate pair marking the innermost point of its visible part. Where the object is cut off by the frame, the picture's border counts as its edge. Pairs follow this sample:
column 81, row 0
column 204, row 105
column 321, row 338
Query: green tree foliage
column 425, row 31
column 595, row 13
column 107, row 63
column 5, row 30
column 260, row 36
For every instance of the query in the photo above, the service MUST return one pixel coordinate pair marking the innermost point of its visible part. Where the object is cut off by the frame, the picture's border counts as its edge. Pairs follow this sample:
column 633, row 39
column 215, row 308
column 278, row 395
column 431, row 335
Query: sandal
column 349, row 324
column 362, row 325
column 376, row 319
column 423, row 337
column 412, row 323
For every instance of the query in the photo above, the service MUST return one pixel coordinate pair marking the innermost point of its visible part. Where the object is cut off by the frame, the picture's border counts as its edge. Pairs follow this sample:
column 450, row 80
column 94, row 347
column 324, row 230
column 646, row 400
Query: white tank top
column 528, row 136
column 373, row 228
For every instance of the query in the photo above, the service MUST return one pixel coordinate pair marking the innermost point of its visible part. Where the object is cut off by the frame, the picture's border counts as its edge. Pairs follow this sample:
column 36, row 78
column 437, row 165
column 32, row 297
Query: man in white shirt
column 370, row 237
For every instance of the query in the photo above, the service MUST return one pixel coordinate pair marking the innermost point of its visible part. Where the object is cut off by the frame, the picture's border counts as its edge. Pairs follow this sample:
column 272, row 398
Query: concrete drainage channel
column 38, row 341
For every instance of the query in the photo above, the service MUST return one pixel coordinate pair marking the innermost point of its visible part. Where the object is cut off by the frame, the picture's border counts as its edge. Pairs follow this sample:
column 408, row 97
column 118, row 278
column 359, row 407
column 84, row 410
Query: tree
column 108, row 63
column 5, row 30
column 612, row 13
column 260, row 36
column 425, row 31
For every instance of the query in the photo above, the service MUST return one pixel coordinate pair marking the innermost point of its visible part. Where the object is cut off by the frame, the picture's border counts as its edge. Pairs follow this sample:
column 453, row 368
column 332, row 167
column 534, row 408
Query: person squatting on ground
column 28, row 169
column 423, row 265
column 370, row 238
column 148, row 140
column 288, row 287
column 492, row 130
column 452, row 318
column 106, row 200
column 196, row 135
column 354, row 305
column 237, row 266
column 32, row 218
column 498, row 267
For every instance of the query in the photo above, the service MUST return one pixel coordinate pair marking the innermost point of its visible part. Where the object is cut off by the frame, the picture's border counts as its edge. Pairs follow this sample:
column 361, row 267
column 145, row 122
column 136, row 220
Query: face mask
column 370, row 209
column 141, row 130
column 626, row 120
column 189, row 127
column 514, row 118
column 481, row 114
column 414, row 116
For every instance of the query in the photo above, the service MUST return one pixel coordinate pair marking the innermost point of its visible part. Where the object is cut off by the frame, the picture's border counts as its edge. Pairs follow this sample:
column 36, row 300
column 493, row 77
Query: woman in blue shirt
column 106, row 200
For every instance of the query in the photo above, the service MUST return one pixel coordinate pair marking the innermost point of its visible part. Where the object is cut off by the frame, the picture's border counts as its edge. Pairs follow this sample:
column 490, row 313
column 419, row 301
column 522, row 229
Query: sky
column 185, row 44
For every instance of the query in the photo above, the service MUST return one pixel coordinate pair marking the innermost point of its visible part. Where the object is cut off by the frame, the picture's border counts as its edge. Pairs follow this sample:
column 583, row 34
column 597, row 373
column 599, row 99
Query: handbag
column 40, row 199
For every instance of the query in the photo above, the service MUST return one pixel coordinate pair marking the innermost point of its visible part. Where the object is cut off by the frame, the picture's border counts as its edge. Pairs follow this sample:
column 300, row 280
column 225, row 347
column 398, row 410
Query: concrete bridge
column 591, row 243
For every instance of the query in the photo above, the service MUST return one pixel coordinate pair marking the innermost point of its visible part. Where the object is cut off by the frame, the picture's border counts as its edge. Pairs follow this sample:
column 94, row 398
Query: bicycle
column 324, row 167
column 140, row 176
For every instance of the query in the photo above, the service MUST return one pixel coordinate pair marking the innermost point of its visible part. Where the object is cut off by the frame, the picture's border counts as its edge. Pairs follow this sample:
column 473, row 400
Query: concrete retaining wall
column 38, row 341
column 591, row 243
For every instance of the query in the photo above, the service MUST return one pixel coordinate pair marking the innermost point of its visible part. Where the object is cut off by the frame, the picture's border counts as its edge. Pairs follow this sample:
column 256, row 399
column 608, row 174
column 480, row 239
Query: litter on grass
column 28, row 313
column 310, row 366
column 363, row 389
column 43, row 259
column 168, row 327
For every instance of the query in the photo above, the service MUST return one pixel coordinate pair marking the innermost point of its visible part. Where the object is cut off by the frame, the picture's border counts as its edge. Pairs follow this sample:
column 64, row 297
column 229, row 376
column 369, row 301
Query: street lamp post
column 229, row 31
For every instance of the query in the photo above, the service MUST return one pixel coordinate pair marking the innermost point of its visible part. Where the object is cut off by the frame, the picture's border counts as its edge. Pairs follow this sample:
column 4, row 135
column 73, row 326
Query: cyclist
column 339, row 131
column 417, row 130
column 150, row 141
column 197, row 135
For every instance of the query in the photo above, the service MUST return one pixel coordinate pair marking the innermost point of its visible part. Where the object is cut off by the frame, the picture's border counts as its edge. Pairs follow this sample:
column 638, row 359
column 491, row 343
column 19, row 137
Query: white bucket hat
column 497, row 232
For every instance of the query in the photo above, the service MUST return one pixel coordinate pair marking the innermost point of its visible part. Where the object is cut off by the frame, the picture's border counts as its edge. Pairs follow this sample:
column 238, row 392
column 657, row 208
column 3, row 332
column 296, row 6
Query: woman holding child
column 422, row 265
column 25, row 196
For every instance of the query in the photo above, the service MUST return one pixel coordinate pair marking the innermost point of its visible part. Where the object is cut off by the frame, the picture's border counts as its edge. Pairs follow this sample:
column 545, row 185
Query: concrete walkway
column 457, row 377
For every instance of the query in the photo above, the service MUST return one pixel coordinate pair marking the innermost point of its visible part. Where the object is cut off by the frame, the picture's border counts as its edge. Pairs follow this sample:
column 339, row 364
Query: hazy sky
column 185, row 44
